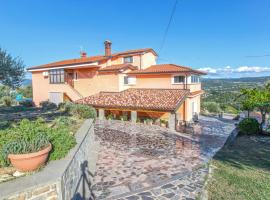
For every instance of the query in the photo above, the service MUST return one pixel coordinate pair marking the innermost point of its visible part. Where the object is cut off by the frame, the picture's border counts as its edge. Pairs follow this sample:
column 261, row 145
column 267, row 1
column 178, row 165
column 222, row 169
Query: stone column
column 134, row 116
column 101, row 114
column 172, row 120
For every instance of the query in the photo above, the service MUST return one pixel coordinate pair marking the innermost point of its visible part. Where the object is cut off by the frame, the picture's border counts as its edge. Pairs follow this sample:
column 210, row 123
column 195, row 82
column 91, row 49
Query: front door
column 70, row 78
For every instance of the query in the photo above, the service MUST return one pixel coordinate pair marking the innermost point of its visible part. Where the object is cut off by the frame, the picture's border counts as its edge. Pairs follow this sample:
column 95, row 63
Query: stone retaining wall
column 68, row 178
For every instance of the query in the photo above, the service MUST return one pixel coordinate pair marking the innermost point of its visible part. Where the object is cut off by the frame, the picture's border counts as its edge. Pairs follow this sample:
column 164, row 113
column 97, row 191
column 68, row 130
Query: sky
column 227, row 38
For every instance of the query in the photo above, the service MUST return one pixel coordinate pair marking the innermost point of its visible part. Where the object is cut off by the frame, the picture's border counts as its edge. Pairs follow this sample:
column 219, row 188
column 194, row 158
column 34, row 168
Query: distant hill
column 233, row 83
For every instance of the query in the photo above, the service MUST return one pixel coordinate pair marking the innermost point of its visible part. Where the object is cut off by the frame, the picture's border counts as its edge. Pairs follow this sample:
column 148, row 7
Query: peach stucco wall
column 141, row 61
column 91, row 82
column 42, row 88
column 162, row 81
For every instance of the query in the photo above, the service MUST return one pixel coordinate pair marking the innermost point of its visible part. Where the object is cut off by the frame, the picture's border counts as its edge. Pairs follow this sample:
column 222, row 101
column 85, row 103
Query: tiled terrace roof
column 138, row 99
column 166, row 68
column 117, row 67
column 92, row 59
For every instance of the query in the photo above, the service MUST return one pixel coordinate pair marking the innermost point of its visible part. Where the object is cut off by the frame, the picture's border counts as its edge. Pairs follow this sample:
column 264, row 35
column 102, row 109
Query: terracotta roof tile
column 138, row 99
column 166, row 68
column 196, row 93
column 91, row 59
column 71, row 62
column 118, row 67
column 135, row 51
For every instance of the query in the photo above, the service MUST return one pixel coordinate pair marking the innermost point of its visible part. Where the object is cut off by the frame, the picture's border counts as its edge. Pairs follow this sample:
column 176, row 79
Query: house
column 126, row 83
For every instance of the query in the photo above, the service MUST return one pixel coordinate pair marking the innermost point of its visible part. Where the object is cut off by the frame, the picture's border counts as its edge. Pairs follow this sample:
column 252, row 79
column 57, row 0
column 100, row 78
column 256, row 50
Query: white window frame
column 132, row 59
column 198, row 79
column 180, row 83
column 75, row 76
column 133, row 78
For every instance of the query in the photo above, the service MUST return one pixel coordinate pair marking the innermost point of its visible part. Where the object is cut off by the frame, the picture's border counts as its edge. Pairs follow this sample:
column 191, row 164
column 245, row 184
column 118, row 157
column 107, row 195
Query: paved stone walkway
column 137, row 161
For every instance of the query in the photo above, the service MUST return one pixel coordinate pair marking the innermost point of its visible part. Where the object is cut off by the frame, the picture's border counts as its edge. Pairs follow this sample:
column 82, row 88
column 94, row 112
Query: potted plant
column 163, row 123
column 123, row 118
column 110, row 116
column 30, row 147
column 149, row 121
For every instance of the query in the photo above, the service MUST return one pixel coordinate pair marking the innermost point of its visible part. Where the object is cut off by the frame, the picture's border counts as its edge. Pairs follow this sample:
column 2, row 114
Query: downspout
column 186, row 81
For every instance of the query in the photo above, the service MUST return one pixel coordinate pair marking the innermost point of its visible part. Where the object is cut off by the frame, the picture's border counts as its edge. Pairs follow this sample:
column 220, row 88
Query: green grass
column 241, row 171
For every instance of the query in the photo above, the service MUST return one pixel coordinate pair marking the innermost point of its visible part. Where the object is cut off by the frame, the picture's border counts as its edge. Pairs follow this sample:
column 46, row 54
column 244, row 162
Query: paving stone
column 145, row 194
column 136, row 156
column 146, row 198
column 169, row 195
column 132, row 198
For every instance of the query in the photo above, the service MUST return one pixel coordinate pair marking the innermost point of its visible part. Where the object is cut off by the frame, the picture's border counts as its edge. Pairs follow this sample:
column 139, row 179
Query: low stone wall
column 68, row 178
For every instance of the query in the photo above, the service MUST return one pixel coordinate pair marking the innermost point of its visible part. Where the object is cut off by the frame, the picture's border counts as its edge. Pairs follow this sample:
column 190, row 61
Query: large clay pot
column 30, row 161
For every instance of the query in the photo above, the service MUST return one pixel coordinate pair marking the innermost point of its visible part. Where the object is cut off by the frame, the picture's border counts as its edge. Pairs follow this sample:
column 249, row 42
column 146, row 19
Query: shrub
column 64, row 121
column 110, row 116
column 124, row 118
column 211, row 107
column 249, row 126
column 66, row 106
column 4, row 124
column 7, row 100
column 62, row 141
column 81, row 110
column 46, row 105
column 26, row 103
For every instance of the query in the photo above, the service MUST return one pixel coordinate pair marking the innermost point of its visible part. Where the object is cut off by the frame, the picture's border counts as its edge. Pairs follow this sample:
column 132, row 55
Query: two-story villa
column 129, row 83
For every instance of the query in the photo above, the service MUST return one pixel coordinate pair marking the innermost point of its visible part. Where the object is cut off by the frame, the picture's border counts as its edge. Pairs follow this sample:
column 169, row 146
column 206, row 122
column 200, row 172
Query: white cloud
column 252, row 69
column 239, row 71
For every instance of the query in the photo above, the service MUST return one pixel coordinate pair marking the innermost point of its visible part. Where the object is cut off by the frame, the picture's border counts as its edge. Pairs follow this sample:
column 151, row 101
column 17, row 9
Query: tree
column 256, row 98
column 211, row 107
column 11, row 70
column 246, row 100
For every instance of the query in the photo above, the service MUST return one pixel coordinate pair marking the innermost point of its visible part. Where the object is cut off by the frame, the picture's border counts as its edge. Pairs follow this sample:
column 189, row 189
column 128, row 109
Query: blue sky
column 229, row 38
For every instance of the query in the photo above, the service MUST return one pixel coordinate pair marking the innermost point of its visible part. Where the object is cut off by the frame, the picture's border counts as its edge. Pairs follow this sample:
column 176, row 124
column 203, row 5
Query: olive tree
column 11, row 70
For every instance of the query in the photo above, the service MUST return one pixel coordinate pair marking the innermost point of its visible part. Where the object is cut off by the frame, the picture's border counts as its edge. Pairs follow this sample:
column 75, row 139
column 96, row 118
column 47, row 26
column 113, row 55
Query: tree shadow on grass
column 246, row 152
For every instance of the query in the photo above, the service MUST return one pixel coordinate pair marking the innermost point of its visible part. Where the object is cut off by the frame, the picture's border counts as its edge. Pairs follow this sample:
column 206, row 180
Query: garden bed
column 26, row 137
column 60, row 132
column 241, row 170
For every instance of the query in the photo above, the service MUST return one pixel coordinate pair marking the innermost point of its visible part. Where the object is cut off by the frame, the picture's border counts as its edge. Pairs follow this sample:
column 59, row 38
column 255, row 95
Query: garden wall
column 68, row 178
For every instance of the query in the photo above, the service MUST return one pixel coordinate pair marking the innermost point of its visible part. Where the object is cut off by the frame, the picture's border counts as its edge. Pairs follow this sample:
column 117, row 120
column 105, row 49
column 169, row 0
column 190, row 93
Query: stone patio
column 137, row 161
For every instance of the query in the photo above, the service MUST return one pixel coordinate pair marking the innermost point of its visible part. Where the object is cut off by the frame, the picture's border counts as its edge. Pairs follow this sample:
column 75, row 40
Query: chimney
column 108, row 48
column 83, row 54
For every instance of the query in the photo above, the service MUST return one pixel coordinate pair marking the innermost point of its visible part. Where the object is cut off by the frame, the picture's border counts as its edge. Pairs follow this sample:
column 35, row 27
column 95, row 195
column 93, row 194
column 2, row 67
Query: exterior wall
column 40, row 87
column 141, row 61
column 188, row 109
column 148, row 59
column 162, row 81
column 90, row 82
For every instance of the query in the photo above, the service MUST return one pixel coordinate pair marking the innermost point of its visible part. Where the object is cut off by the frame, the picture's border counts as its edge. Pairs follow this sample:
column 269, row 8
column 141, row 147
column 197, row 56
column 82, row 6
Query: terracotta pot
column 30, row 161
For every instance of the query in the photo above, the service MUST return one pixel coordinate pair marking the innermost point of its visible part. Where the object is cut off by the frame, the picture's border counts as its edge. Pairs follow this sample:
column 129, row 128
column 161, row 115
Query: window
column 178, row 79
column 128, row 80
column 128, row 59
column 57, row 76
column 195, row 79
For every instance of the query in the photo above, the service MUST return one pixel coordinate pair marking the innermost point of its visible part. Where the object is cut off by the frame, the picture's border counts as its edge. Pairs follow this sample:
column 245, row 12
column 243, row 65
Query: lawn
column 241, row 170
